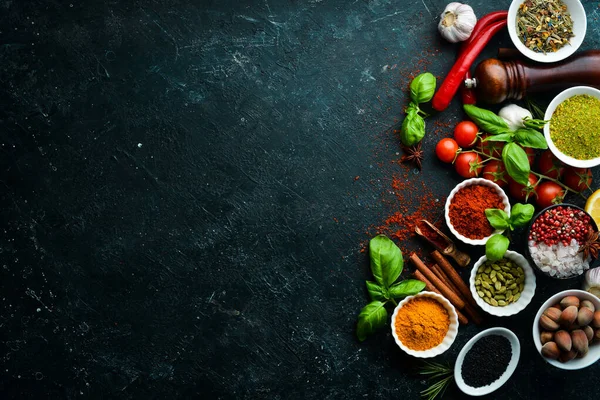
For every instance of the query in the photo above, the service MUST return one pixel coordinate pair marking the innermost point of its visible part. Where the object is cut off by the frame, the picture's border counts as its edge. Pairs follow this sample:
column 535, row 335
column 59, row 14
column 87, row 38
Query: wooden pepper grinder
column 495, row 81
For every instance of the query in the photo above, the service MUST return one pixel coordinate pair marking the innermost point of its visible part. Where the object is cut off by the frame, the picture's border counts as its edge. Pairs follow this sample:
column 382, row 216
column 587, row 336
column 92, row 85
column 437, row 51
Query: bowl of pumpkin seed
column 503, row 287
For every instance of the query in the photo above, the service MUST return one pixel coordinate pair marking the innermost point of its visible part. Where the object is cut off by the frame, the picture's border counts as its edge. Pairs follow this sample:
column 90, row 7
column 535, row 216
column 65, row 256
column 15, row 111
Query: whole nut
column 580, row 341
column 596, row 320
column 588, row 304
column 570, row 301
column 553, row 313
column 584, row 316
column 563, row 340
column 568, row 316
column 547, row 324
column 582, row 354
column 589, row 332
column 597, row 335
column 557, row 305
column 550, row 350
column 567, row 355
column 546, row 337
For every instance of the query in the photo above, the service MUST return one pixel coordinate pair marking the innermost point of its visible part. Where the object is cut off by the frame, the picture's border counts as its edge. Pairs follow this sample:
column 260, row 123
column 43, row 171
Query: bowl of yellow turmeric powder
column 424, row 325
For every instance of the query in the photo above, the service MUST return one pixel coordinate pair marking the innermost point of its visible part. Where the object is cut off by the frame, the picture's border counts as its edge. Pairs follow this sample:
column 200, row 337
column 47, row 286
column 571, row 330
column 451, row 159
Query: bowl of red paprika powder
column 465, row 209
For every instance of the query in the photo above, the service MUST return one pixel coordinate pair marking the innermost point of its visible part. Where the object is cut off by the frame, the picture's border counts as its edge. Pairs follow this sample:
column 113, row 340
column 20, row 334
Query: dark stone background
column 180, row 215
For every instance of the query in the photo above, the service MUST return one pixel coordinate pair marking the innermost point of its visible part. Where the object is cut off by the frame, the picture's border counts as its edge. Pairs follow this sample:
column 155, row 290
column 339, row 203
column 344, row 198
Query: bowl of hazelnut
column 566, row 329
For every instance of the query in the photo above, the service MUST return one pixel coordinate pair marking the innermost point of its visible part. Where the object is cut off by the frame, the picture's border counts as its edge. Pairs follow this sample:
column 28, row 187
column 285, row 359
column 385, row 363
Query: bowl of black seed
column 487, row 361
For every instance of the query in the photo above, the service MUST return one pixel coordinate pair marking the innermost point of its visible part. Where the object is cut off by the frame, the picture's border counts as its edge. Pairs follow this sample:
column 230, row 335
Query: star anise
column 413, row 154
column 591, row 246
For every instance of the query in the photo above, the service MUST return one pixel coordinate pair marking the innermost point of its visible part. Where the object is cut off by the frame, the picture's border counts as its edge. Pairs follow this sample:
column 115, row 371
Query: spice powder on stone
column 467, row 210
column 422, row 323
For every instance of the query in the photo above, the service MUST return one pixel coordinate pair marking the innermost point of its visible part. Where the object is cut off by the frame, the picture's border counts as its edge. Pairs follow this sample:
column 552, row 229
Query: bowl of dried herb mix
column 424, row 325
column 547, row 30
column 573, row 133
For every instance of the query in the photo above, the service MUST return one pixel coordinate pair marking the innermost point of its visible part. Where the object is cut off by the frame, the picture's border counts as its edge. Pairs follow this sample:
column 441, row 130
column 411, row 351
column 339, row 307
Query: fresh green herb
column 544, row 25
column 413, row 128
column 441, row 374
column 496, row 246
column 486, row 120
column 520, row 215
column 502, row 137
column 516, row 162
column 386, row 265
column 528, row 137
column 422, row 88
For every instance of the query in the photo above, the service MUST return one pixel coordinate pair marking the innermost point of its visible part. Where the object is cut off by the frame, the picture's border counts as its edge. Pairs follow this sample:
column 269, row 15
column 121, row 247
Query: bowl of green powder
column 573, row 133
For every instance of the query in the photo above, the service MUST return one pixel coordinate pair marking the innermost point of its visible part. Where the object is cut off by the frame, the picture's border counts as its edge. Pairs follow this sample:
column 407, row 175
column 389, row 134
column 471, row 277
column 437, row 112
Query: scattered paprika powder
column 422, row 323
column 467, row 210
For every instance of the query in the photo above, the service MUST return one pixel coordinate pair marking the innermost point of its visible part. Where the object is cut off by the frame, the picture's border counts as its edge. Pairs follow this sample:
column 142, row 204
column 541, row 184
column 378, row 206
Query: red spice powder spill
column 467, row 210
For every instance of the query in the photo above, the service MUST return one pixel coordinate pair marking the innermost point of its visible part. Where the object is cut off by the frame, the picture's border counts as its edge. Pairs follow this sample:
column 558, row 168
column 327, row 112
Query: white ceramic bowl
column 562, row 96
column 450, row 335
column 578, row 363
column 575, row 8
column 512, row 364
column 469, row 182
column 526, row 295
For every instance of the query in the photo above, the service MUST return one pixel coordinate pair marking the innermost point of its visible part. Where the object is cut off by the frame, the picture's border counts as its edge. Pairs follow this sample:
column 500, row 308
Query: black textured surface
column 179, row 205
column 486, row 361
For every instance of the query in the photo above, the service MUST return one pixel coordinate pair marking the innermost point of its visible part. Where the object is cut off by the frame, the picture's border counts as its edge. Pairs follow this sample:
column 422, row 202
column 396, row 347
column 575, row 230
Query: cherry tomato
column 530, row 154
column 577, row 179
column 493, row 149
column 495, row 172
column 549, row 165
column 549, row 193
column 468, row 165
column 521, row 192
column 465, row 134
column 446, row 150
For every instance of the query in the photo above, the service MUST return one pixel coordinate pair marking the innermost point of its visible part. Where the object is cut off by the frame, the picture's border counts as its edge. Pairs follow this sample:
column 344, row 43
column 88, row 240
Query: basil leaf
column 386, row 260
column 376, row 292
column 531, row 138
column 496, row 246
column 516, row 162
column 501, row 137
column 422, row 87
column 499, row 219
column 405, row 288
column 372, row 317
column 521, row 214
column 486, row 120
column 413, row 128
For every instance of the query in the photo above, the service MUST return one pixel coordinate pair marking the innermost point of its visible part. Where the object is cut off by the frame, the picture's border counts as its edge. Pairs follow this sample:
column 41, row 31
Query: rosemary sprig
column 441, row 374
column 534, row 108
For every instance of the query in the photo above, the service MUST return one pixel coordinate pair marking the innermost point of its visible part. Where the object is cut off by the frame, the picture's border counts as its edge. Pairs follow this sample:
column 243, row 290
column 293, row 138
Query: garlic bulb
column 514, row 116
column 591, row 282
column 457, row 22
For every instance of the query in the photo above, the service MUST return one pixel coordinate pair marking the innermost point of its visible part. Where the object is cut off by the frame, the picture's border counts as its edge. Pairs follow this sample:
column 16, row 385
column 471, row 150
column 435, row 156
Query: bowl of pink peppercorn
column 558, row 241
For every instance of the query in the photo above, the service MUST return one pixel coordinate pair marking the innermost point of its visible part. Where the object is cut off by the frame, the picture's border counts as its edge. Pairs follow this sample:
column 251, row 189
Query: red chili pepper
column 456, row 76
column 468, row 95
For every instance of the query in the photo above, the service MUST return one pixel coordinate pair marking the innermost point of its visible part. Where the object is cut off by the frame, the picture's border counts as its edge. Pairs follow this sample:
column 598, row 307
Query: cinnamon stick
column 471, row 306
column 445, row 290
column 454, row 276
column 429, row 286
column 442, row 275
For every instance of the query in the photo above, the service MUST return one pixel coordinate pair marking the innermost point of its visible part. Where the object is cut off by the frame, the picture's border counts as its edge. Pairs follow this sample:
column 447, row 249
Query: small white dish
column 562, row 96
column 450, row 335
column 575, row 8
column 578, row 363
column 512, row 364
column 463, row 184
column 526, row 295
